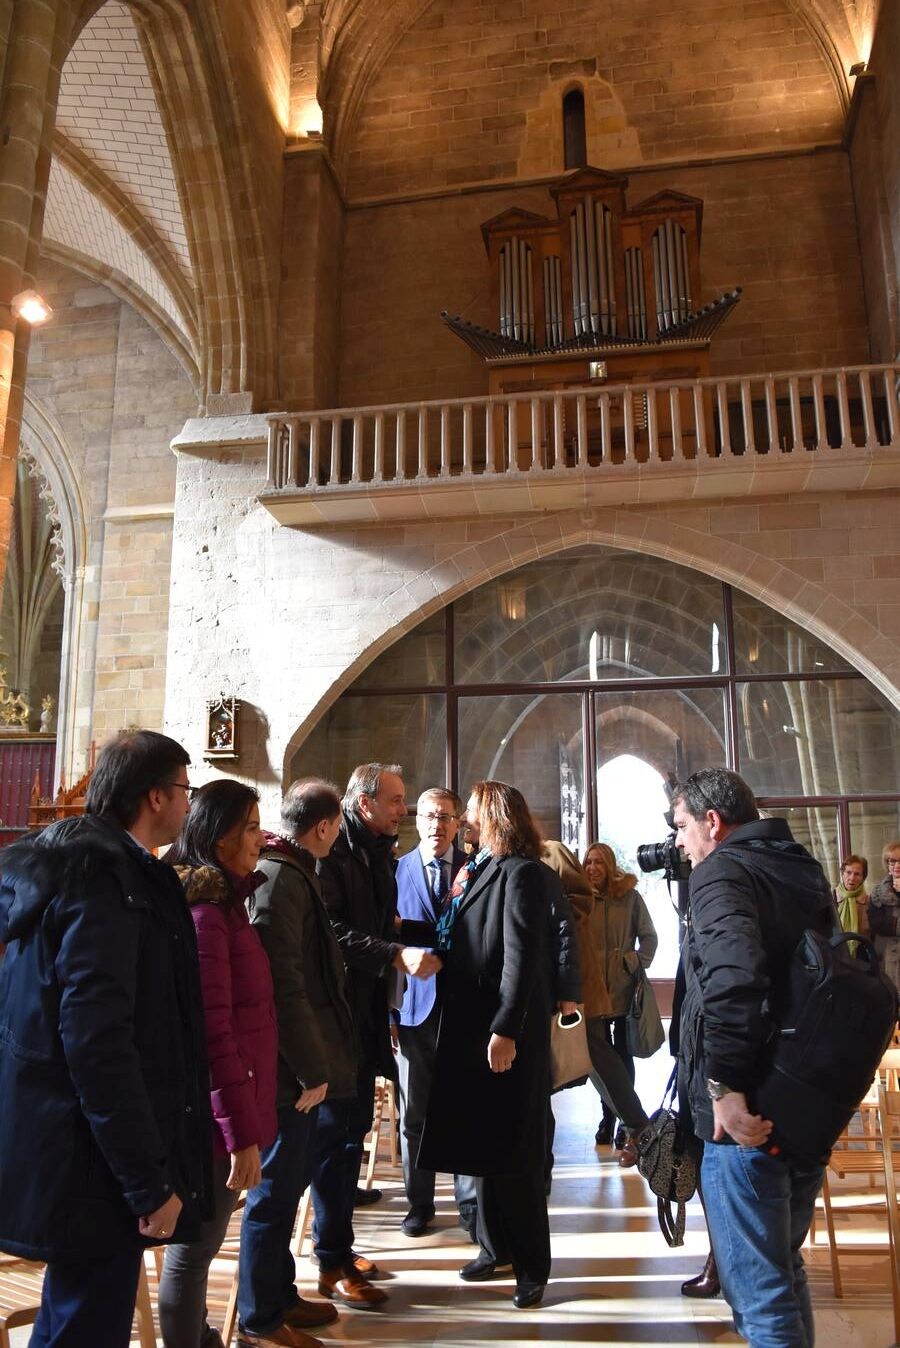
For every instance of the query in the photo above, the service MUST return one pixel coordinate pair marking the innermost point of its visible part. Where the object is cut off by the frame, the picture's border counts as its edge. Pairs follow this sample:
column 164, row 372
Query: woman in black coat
column 487, row 1111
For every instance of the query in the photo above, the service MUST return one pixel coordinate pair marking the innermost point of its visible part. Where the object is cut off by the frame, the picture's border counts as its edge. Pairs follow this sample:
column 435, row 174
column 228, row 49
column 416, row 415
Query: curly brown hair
column 505, row 823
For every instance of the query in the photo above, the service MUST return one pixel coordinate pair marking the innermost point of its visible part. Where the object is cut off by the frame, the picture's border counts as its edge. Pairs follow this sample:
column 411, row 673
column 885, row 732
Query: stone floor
column 614, row 1279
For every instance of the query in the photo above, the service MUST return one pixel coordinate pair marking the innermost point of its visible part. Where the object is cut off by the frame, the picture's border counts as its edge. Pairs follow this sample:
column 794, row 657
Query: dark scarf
column 378, row 851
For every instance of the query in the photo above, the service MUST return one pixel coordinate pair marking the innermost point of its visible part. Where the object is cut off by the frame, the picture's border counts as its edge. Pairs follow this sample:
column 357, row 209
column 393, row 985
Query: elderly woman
column 215, row 858
column 487, row 1112
column 620, row 939
column 884, row 913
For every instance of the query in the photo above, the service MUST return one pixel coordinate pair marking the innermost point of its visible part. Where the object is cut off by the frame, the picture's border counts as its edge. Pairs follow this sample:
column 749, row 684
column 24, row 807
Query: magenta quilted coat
column 241, row 1030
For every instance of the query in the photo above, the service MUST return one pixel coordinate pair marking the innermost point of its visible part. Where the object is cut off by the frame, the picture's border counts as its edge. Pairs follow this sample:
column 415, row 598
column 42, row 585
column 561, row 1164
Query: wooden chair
column 21, row 1283
column 869, row 1153
column 384, row 1115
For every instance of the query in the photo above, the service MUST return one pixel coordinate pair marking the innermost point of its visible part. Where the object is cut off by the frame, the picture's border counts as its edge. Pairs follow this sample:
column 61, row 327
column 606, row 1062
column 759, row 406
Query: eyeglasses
column 893, row 861
column 440, row 817
column 191, row 791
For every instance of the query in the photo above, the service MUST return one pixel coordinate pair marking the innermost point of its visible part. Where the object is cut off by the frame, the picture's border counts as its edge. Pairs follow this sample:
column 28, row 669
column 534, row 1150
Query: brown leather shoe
column 283, row 1337
column 310, row 1314
column 367, row 1267
column 348, row 1286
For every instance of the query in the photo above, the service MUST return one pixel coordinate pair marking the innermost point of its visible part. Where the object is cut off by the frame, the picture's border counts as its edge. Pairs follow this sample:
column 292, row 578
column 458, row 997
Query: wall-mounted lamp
column 859, row 68
column 31, row 307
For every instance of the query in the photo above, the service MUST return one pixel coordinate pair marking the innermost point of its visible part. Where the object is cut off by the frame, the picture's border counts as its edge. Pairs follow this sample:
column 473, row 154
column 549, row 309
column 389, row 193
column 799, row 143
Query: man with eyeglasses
column 424, row 879
column 753, row 892
column 105, row 1129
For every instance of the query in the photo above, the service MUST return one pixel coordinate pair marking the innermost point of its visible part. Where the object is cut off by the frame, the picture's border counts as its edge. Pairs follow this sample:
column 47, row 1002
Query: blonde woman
column 620, row 938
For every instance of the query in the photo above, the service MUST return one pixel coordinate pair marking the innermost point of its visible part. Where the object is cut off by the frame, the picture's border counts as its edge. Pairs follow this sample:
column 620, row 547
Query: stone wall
column 783, row 227
column 114, row 395
column 286, row 619
column 473, row 90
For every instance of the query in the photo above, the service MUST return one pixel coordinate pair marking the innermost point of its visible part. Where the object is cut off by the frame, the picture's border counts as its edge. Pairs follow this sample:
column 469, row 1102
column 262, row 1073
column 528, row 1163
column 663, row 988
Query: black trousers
column 513, row 1226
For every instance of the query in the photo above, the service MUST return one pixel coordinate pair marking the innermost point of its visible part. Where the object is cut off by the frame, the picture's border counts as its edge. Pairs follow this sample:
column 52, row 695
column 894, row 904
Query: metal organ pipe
column 516, row 291
column 553, row 318
column 671, row 275
column 635, row 298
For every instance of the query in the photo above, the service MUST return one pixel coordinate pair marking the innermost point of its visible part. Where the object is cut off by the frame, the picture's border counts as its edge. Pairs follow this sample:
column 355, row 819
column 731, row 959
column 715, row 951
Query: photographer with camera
column 753, row 893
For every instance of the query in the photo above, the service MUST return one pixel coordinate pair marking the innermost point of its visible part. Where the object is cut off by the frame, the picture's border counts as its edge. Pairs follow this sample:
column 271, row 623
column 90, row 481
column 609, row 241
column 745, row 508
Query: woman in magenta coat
column 215, row 858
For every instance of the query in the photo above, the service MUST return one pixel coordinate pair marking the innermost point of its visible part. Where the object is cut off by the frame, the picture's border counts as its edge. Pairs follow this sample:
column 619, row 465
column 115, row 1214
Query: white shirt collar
column 427, row 857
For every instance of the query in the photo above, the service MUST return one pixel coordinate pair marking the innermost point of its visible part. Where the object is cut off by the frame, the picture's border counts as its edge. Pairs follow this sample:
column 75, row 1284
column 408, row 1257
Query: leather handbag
column 643, row 1025
column 570, row 1061
column 668, row 1162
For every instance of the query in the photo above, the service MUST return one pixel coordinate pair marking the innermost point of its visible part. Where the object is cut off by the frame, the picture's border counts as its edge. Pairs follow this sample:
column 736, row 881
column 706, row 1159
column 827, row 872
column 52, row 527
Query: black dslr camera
column 665, row 856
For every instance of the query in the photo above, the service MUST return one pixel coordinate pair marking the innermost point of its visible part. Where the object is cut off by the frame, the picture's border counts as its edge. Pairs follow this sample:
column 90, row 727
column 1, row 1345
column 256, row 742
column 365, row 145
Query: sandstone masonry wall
column 116, row 396
column 473, row 90
column 333, row 599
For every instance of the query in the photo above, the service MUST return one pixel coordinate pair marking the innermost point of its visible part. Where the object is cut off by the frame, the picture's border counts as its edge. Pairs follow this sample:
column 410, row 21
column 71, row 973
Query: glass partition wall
column 594, row 678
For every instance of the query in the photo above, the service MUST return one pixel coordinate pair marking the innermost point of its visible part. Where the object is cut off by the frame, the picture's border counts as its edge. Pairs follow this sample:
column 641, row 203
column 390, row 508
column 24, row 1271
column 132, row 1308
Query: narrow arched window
column 574, row 134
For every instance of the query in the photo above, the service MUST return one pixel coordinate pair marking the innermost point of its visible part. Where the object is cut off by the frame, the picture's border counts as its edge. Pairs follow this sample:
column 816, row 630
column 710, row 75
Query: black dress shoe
column 366, row 1196
column 603, row 1135
column 417, row 1221
column 706, row 1284
column 528, row 1294
column 483, row 1269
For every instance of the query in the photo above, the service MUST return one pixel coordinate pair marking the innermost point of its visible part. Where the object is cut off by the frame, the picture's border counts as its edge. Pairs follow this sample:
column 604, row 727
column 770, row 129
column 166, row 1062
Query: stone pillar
column 33, row 41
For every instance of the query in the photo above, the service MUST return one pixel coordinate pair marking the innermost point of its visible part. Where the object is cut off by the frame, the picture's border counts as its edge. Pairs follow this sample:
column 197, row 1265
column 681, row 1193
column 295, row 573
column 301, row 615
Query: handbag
column 570, row 1061
column 668, row 1163
column 643, row 1025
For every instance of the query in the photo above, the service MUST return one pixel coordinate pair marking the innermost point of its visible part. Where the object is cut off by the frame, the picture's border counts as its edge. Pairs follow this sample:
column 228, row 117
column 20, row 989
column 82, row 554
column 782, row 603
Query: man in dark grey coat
column 753, row 892
column 316, row 1061
column 105, row 1127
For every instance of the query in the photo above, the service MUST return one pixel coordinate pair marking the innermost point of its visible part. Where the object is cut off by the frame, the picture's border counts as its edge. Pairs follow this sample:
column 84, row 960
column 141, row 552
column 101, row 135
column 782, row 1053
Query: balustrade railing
column 584, row 428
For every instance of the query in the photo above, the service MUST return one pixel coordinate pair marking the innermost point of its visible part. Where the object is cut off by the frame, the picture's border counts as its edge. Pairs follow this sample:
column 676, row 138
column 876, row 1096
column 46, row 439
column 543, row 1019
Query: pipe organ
column 600, row 277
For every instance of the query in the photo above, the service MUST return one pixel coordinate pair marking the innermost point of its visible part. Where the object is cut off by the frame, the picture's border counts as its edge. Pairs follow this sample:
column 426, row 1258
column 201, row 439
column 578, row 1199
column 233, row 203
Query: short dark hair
column 717, row 789
column 307, row 802
column 129, row 766
column 216, row 809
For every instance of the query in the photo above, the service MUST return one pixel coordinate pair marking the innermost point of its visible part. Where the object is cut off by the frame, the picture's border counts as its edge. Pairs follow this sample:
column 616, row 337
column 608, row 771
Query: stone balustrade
column 798, row 430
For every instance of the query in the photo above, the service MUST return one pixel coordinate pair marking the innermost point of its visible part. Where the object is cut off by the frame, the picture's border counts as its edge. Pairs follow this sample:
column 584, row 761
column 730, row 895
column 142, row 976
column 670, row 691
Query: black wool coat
column 497, row 979
column 104, row 1081
column 362, row 914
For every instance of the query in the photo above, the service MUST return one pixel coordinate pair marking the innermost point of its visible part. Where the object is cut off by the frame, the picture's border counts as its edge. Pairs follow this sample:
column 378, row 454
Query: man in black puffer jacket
column 753, row 892
column 105, row 1127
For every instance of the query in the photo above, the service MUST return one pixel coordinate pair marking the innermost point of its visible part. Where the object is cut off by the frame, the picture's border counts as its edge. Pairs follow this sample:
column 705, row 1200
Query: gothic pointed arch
column 49, row 460
column 233, row 265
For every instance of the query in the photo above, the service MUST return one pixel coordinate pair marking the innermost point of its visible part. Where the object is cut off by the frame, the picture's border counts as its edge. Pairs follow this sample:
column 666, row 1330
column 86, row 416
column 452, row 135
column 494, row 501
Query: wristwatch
column 716, row 1089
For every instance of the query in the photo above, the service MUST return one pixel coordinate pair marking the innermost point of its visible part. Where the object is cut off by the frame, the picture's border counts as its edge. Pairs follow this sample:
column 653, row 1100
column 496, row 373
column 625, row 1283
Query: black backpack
column 838, row 1013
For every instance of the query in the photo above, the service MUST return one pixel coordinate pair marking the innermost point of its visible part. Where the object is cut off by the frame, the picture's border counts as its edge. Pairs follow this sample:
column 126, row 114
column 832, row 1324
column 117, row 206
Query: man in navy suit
column 424, row 878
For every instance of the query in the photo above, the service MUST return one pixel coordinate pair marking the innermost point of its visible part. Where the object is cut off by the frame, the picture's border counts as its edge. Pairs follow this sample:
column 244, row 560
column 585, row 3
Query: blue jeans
column 335, row 1177
column 758, row 1210
column 266, row 1269
column 86, row 1304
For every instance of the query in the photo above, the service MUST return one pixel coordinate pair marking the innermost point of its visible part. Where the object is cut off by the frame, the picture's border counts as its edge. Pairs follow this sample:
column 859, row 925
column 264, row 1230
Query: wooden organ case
column 604, row 293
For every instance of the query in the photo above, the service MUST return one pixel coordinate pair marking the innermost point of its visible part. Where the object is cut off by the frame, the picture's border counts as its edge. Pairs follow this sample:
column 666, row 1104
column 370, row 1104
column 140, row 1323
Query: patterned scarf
column 444, row 928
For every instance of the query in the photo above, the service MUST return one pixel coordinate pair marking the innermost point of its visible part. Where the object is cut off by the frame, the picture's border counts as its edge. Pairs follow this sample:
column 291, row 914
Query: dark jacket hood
column 770, row 846
column 36, row 868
